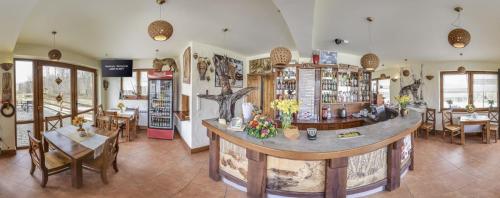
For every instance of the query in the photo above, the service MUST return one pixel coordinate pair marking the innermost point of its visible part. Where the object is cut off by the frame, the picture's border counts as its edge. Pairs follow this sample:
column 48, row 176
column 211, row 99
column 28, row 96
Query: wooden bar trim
column 394, row 165
column 336, row 178
column 214, row 156
column 232, row 178
column 257, row 170
column 412, row 153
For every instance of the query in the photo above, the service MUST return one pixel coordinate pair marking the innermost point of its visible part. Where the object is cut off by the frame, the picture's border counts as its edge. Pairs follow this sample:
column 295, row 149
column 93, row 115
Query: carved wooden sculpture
column 226, row 99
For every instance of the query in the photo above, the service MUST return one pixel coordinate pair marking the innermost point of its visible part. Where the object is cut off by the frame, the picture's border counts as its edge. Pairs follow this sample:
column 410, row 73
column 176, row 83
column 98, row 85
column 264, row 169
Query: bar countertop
column 327, row 145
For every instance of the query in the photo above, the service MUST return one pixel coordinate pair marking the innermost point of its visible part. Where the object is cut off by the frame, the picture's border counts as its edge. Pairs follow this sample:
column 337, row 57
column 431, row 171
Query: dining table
column 129, row 117
column 476, row 120
column 68, row 140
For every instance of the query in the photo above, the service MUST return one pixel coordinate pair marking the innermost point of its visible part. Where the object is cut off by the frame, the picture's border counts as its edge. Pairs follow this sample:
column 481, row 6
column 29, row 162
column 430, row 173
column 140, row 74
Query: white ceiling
column 416, row 30
column 119, row 27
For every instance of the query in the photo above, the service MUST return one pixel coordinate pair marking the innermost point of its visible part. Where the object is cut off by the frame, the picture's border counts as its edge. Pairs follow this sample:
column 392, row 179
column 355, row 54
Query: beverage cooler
column 160, row 104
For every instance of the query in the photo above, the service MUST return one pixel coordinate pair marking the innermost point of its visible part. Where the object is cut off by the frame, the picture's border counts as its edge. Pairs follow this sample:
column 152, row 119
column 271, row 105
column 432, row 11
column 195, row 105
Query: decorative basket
column 280, row 56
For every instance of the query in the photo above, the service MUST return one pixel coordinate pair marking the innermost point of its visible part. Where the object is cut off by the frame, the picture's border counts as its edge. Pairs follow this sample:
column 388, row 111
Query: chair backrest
column 103, row 122
column 111, row 113
column 100, row 110
column 53, row 122
column 36, row 151
column 447, row 118
column 430, row 115
column 110, row 150
column 493, row 114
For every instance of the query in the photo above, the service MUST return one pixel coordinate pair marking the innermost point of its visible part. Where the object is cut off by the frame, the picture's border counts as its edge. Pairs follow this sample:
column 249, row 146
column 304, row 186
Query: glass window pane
column 144, row 82
column 24, row 90
column 383, row 88
column 455, row 89
column 22, row 134
column 85, row 88
column 485, row 88
column 130, row 85
column 51, row 90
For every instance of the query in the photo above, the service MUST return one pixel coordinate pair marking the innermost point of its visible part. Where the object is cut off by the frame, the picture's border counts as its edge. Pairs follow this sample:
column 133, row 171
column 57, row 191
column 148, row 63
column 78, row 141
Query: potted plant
column 450, row 102
column 78, row 121
column 403, row 102
column 491, row 103
column 287, row 107
column 261, row 127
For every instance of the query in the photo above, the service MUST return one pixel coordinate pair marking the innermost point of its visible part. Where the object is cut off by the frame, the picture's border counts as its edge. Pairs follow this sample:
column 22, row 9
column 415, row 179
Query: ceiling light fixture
column 370, row 60
column 160, row 30
column 458, row 37
column 461, row 69
column 54, row 54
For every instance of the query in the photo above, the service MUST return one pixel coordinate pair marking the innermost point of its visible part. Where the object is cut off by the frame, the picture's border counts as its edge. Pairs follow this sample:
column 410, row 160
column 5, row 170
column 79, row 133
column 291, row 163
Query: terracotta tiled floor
column 155, row 168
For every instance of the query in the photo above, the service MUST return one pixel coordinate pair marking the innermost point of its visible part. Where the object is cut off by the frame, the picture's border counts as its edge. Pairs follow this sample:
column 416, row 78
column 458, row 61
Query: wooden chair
column 448, row 126
column 53, row 122
column 50, row 163
column 106, row 159
column 133, row 125
column 103, row 122
column 429, row 123
column 493, row 115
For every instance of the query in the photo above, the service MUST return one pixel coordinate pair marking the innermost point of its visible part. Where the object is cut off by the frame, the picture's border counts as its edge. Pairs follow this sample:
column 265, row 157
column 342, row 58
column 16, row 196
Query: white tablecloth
column 91, row 141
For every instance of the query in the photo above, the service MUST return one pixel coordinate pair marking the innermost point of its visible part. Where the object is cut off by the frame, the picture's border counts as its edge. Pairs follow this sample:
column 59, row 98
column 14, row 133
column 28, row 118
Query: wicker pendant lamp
column 160, row 30
column 54, row 54
column 370, row 61
column 458, row 37
column 461, row 69
column 280, row 56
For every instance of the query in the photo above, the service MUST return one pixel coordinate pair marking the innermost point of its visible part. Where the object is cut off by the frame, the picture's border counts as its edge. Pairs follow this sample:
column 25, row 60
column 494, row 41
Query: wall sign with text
column 116, row 68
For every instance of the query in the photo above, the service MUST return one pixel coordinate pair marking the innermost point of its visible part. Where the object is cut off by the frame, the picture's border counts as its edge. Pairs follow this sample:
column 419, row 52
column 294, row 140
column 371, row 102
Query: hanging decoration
column 6, row 66
column 429, row 77
column 158, row 64
column 458, row 37
column 54, row 54
column 370, row 61
column 7, row 109
column 280, row 56
column 461, row 69
column 160, row 30
column 202, row 66
column 105, row 84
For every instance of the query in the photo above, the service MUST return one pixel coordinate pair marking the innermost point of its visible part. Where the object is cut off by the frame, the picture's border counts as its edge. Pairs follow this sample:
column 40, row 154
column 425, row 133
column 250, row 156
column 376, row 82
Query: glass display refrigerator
column 160, row 104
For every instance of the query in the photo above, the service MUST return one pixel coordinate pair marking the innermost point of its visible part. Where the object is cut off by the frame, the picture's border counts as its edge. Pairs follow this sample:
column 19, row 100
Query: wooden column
column 257, row 169
column 412, row 154
column 336, row 178
column 214, row 155
column 394, row 165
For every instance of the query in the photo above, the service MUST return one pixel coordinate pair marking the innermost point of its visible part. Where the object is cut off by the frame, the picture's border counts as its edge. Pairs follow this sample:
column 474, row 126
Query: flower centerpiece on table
column 470, row 108
column 78, row 121
column 491, row 103
column 403, row 101
column 450, row 102
column 287, row 107
column 261, row 127
column 121, row 106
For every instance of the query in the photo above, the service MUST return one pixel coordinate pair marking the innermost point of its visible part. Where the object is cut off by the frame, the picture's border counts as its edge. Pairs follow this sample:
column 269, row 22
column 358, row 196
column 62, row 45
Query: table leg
column 462, row 134
column 76, row 173
column 488, row 133
column 127, row 128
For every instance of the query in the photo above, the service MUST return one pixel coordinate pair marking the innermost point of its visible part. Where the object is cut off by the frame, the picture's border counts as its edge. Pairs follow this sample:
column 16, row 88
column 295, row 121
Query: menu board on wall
column 307, row 91
column 116, row 68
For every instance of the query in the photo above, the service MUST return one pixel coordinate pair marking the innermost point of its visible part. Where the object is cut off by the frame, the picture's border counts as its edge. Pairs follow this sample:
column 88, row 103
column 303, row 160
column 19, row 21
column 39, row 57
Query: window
column 458, row 90
column 382, row 86
column 135, row 87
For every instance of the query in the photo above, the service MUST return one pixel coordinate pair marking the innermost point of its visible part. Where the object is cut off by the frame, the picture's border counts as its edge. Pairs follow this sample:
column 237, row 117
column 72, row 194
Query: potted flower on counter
column 287, row 107
column 403, row 101
column 261, row 127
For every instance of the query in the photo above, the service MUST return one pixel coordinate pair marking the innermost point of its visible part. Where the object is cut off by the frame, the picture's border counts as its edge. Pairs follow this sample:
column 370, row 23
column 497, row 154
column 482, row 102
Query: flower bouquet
column 403, row 101
column 287, row 108
column 470, row 108
column 78, row 121
column 121, row 106
column 261, row 127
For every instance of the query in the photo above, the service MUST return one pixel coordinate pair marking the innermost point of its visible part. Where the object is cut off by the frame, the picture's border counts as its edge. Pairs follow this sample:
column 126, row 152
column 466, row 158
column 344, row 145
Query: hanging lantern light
column 461, row 69
column 54, row 54
column 370, row 61
column 160, row 30
column 280, row 56
column 458, row 37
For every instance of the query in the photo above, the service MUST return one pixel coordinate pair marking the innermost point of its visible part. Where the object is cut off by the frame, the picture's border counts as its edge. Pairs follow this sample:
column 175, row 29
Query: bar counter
column 326, row 167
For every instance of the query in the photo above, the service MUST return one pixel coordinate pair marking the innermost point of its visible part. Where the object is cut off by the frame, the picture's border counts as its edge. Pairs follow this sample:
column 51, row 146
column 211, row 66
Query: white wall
column 7, row 125
column 431, row 88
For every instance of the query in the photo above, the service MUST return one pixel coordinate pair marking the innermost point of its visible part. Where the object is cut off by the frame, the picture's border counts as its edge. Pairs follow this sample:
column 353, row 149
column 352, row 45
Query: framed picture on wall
column 186, row 64
column 260, row 66
column 234, row 70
